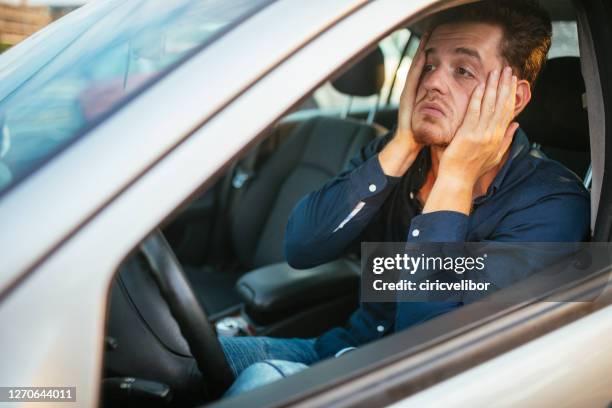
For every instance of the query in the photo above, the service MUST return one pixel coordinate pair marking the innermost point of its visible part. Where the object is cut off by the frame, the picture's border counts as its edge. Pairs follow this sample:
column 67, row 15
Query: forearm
column 326, row 222
column 450, row 194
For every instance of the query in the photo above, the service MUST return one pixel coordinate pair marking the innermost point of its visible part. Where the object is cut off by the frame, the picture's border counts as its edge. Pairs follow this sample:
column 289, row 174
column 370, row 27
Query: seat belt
column 233, row 186
column 588, row 178
column 245, row 169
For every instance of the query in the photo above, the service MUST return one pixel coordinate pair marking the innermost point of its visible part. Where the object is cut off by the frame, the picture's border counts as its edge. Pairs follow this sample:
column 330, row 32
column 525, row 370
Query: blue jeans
column 257, row 361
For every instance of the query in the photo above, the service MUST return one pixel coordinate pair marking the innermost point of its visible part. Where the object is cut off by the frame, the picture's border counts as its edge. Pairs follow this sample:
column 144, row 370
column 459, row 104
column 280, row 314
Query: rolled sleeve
column 438, row 226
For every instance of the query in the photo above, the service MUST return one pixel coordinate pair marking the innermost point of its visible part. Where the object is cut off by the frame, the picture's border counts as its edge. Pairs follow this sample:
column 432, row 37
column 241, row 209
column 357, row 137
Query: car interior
column 217, row 267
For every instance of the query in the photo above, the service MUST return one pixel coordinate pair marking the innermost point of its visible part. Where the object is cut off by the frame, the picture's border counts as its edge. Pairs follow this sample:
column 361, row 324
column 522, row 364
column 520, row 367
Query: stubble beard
column 430, row 134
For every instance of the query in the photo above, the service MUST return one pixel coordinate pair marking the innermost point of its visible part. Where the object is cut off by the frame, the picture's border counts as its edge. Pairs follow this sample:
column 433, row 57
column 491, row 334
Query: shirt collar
column 519, row 147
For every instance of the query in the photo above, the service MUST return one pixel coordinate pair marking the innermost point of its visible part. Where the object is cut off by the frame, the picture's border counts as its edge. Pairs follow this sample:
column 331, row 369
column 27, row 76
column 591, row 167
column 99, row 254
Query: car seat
column 315, row 151
column 556, row 119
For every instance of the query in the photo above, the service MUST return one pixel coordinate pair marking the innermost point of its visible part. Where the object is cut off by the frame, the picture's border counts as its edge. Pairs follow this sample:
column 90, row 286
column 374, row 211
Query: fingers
column 416, row 68
column 422, row 43
column 506, row 97
column 498, row 101
column 490, row 96
column 424, row 39
column 472, row 116
column 409, row 92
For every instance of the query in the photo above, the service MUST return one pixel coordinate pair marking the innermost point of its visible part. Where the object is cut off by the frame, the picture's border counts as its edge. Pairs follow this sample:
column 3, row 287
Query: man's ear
column 523, row 96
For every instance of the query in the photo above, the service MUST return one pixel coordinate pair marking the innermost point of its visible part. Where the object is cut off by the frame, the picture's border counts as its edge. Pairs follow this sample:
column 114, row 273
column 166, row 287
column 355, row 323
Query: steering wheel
column 188, row 313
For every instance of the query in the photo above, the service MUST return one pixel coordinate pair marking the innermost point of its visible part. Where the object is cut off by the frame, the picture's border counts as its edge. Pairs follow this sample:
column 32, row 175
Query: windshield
column 61, row 80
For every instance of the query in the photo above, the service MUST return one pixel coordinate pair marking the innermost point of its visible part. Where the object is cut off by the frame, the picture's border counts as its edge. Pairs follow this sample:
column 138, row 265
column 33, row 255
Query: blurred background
column 21, row 18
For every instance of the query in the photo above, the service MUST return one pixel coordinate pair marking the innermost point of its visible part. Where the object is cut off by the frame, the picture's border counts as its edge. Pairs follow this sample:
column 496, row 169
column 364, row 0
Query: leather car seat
column 556, row 119
column 315, row 151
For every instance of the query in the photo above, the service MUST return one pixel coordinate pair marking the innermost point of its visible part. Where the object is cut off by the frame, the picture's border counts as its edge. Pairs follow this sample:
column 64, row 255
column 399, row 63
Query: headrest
column 555, row 116
column 365, row 78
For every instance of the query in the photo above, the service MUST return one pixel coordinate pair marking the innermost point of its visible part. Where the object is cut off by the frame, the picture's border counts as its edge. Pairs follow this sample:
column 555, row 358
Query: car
column 134, row 137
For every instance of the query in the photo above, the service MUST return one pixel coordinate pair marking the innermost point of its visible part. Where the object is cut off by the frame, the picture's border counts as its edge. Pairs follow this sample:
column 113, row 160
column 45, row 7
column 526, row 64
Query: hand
column 478, row 146
column 400, row 152
column 408, row 96
column 486, row 132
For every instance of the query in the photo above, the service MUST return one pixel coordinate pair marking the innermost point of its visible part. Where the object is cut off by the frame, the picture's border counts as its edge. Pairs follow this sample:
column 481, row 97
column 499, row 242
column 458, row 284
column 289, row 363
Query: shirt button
column 411, row 195
column 372, row 187
column 415, row 232
column 380, row 329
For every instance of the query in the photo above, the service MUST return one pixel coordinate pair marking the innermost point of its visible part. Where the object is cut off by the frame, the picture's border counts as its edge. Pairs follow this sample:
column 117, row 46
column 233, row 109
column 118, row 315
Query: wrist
column 458, row 176
column 450, row 193
column 455, row 183
column 399, row 154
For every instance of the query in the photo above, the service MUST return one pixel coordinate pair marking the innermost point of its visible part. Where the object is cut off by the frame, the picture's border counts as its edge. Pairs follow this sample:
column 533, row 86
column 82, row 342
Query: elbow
column 295, row 253
column 296, row 239
column 302, row 254
column 305, row 246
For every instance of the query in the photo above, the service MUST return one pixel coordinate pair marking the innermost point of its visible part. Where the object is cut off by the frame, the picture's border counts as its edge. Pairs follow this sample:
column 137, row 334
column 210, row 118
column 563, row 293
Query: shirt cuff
column 439, row 226
column 369, row 180
column 344, row 351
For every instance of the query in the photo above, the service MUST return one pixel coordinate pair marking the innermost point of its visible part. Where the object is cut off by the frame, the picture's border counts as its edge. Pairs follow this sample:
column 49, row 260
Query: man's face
column 458, row 58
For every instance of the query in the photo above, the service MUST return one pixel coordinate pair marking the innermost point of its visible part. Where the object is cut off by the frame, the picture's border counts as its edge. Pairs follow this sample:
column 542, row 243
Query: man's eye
column 464, row 72
column 428, row 68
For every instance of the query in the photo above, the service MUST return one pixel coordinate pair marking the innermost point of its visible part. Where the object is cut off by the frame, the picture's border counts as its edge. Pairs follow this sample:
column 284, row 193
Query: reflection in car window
column 121, row 47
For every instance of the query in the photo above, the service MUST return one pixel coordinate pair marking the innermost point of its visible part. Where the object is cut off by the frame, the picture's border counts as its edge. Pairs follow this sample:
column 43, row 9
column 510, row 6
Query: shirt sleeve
column 327, row 221
column 438, row 226
column 560, row 217
column 550, row 218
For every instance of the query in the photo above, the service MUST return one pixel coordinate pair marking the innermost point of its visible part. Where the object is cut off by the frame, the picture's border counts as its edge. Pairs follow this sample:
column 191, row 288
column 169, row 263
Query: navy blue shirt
column 532, row 199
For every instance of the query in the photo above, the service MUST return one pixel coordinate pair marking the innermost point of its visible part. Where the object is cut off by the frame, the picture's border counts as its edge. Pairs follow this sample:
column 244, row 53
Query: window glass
column 120, row 48
column 564, row 40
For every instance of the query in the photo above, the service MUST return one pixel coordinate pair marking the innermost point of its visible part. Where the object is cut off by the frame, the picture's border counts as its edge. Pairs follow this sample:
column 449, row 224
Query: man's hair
column 526, row 31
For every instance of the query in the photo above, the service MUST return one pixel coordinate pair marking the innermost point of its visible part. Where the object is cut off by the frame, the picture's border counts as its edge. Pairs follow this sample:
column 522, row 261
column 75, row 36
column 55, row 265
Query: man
column 456, row 169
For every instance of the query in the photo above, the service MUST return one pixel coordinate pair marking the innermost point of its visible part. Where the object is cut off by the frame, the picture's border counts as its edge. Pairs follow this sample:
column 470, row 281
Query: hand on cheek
column 478, row 146
column 409, row 93
column 400, row 152
column 486, row 131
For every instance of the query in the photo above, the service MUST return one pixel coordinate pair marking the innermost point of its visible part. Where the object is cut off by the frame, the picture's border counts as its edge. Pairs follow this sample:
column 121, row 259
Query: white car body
column 68, row 226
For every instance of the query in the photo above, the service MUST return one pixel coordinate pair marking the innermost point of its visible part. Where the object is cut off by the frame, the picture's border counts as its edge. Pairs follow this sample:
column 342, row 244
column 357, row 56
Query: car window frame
column 370, row 362
column 335, row 379
column 397, row 379
column 375, row 375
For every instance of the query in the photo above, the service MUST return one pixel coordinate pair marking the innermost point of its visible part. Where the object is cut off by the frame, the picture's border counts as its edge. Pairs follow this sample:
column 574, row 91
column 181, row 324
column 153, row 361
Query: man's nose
column 436, row 81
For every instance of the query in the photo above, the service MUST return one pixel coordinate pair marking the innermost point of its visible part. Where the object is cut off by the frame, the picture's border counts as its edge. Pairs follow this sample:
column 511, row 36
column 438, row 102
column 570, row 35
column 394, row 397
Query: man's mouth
column 433, row 109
